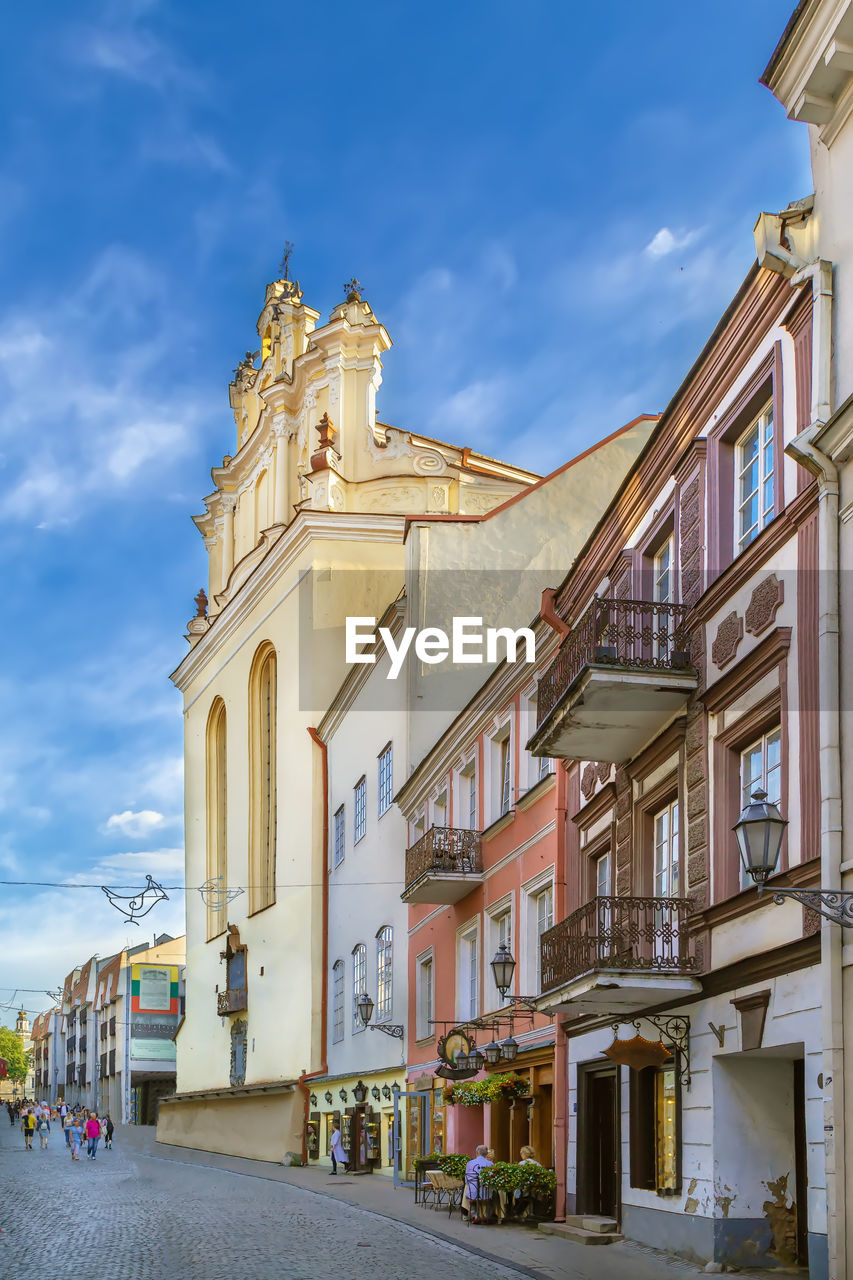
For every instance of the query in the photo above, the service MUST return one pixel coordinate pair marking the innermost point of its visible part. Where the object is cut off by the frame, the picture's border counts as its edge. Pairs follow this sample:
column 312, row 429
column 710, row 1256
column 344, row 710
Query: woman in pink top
column 93, row 1133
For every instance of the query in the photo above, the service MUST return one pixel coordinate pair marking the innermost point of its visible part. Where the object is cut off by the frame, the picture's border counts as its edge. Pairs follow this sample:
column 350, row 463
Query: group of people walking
column 79, row 1125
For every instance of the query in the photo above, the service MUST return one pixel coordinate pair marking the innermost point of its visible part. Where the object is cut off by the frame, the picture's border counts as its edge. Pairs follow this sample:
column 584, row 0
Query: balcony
column 621, row 674
column 234, row 1000
column 617, row 955
column 443, row 866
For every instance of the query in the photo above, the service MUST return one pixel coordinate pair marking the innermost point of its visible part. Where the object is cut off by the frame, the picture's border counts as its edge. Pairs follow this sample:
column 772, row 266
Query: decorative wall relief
column 588, row 781
column 729, row 636
column 764, row 604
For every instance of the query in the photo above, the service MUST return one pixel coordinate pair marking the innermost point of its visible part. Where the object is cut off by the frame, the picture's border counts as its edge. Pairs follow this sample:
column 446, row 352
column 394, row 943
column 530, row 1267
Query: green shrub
column 529, row 1179
column 454, row 1165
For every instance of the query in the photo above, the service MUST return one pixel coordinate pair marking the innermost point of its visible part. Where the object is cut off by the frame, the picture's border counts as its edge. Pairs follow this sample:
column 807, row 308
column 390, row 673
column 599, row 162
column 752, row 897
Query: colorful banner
column 154, row 988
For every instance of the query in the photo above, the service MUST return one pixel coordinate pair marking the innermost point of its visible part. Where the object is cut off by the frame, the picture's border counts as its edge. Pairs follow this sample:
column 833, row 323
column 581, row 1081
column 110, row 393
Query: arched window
column 262, row 811
column 338, row 1001
column 384, row 973
column 359, row 982
column 217, row 814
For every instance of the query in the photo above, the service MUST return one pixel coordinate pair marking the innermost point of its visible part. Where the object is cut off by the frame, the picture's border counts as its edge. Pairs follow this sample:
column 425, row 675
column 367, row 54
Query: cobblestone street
column 127, row 1217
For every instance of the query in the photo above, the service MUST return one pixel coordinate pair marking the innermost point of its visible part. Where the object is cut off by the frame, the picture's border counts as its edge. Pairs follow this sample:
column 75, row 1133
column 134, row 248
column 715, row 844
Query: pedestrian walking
column 28, row 1125
column 337, row 1152
column 43, row 1129
column 93, row 1133
column 11, row 1111
column 75, row 1137
column 110, row 1130
column 63, row 1114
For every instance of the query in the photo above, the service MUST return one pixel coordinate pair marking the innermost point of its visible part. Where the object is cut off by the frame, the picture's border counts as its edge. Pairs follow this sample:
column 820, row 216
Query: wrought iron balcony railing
column 234, row 1000
column 646, row 935
column 617, row 633
column 444, row 849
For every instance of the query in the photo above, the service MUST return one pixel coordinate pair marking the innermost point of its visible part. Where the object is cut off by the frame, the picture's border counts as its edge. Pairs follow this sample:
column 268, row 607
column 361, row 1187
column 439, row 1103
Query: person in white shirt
column 337, row 1152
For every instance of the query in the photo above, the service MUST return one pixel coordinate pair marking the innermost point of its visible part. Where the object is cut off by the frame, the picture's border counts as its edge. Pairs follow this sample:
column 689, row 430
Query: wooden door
column 599, row 1150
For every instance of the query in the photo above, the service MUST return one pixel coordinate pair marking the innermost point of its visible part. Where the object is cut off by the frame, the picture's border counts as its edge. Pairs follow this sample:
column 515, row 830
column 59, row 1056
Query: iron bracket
column 835, row 905
column 387, row 1028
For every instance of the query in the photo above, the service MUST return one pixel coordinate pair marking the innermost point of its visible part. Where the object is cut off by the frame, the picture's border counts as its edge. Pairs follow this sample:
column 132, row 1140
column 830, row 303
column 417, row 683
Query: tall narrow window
column 472, row 798
column 504, row 774
column 761, row 769
column 359, row 823
column 424, row 998
column 469, row 975
column 262, row 818
column 386, row 779
column 340, row 836
column 544, row 902
column 663, row 577
column 754, row 472
column 384, row 973
column 666, row 867
column 502, row 933
column 603, row 887
column 359, row 982
column 338, row 1001
column 217, row 815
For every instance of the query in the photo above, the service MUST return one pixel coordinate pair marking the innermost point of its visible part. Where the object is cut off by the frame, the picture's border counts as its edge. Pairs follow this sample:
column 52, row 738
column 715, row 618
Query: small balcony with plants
column 443, row 866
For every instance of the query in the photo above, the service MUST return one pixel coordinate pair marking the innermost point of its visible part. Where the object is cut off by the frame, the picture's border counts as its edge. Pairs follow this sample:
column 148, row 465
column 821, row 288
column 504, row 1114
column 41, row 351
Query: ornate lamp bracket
column 674, row 1031
column 835, row 905
column 387, row 1028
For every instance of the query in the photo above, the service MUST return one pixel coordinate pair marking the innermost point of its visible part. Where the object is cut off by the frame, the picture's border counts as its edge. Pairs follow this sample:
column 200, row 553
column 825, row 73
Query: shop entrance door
column 412, row 1128
column 599, row 1151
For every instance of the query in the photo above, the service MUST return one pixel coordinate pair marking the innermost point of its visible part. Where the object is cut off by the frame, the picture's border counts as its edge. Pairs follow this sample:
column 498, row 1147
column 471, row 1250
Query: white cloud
column 665, row 242
column 154, row 862
column 135, row 825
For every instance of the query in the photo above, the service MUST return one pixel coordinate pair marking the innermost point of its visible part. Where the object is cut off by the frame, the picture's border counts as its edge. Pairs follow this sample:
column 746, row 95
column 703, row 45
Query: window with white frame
column 359, row 821
column 359, row 982
column 340, row 836
column 761, row 769
column 439, row 810
column 501, row 930
column 754, row 479
column 468, row 796
column 386, row 780
column 424, row 997
column 501, row 773
column 663, row 584
column 468, row 962
column 384, row 973
column 540, row 918
column 603, row 876
column 338, row 1001
column 666, row 860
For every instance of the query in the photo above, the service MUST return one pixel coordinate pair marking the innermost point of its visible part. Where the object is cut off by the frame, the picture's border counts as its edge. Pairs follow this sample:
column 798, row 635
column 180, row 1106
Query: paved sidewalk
column 525, row 1249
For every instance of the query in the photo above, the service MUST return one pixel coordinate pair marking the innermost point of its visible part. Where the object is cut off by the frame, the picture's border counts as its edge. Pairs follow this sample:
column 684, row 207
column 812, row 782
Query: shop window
column 655, row 1129
column 359, row 823
column 386, row 780
column 754, row 479
column 338, row 1001
column 340, row 836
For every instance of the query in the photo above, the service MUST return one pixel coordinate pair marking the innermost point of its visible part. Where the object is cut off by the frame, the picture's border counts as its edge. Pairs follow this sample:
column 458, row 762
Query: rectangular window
column 666, row 863
column 663, row 576
column 424, row 997
column 340, row 836
column 468, row 796
column 504, row 776
column 359, row 822
column 338, row 1001
column 386, row 785
column 544, row 902
column 469, row 976
column 546, row 766
column 761, row 770
column 602, row 876
column 754, row 479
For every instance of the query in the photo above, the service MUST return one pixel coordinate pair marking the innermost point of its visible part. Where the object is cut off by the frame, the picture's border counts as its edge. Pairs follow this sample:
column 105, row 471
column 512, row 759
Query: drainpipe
column 561, row 1043
column 803, row 449
column 324, row 989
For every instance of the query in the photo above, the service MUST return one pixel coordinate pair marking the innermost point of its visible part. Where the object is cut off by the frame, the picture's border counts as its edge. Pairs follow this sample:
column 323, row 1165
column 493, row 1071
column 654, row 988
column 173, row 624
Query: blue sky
column 549, row 207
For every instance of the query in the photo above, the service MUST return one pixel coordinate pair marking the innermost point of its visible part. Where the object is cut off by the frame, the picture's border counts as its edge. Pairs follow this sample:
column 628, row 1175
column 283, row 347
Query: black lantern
column 386, row 1093
column 328, row 1096
column 503, row 967
column 313, row 1099
column 365, row 1008
column 375, row 1094
column 475, row 1059
column 760, row 830
column 343, row 1095
column 360, row 1091
column 461, row 1060
column 509, row 1049
column 492, row 1053
column 395, row 1088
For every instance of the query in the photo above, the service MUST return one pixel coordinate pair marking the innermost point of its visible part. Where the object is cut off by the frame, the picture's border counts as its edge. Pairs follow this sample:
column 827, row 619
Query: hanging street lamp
column 503, row 968
column 759, row 831
column 492, row 1053
column 364, row 1007
column 509, row 1049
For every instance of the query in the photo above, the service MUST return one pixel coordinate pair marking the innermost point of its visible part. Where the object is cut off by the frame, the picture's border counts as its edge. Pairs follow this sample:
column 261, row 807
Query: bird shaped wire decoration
column 134, row 906
column 216, row 895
